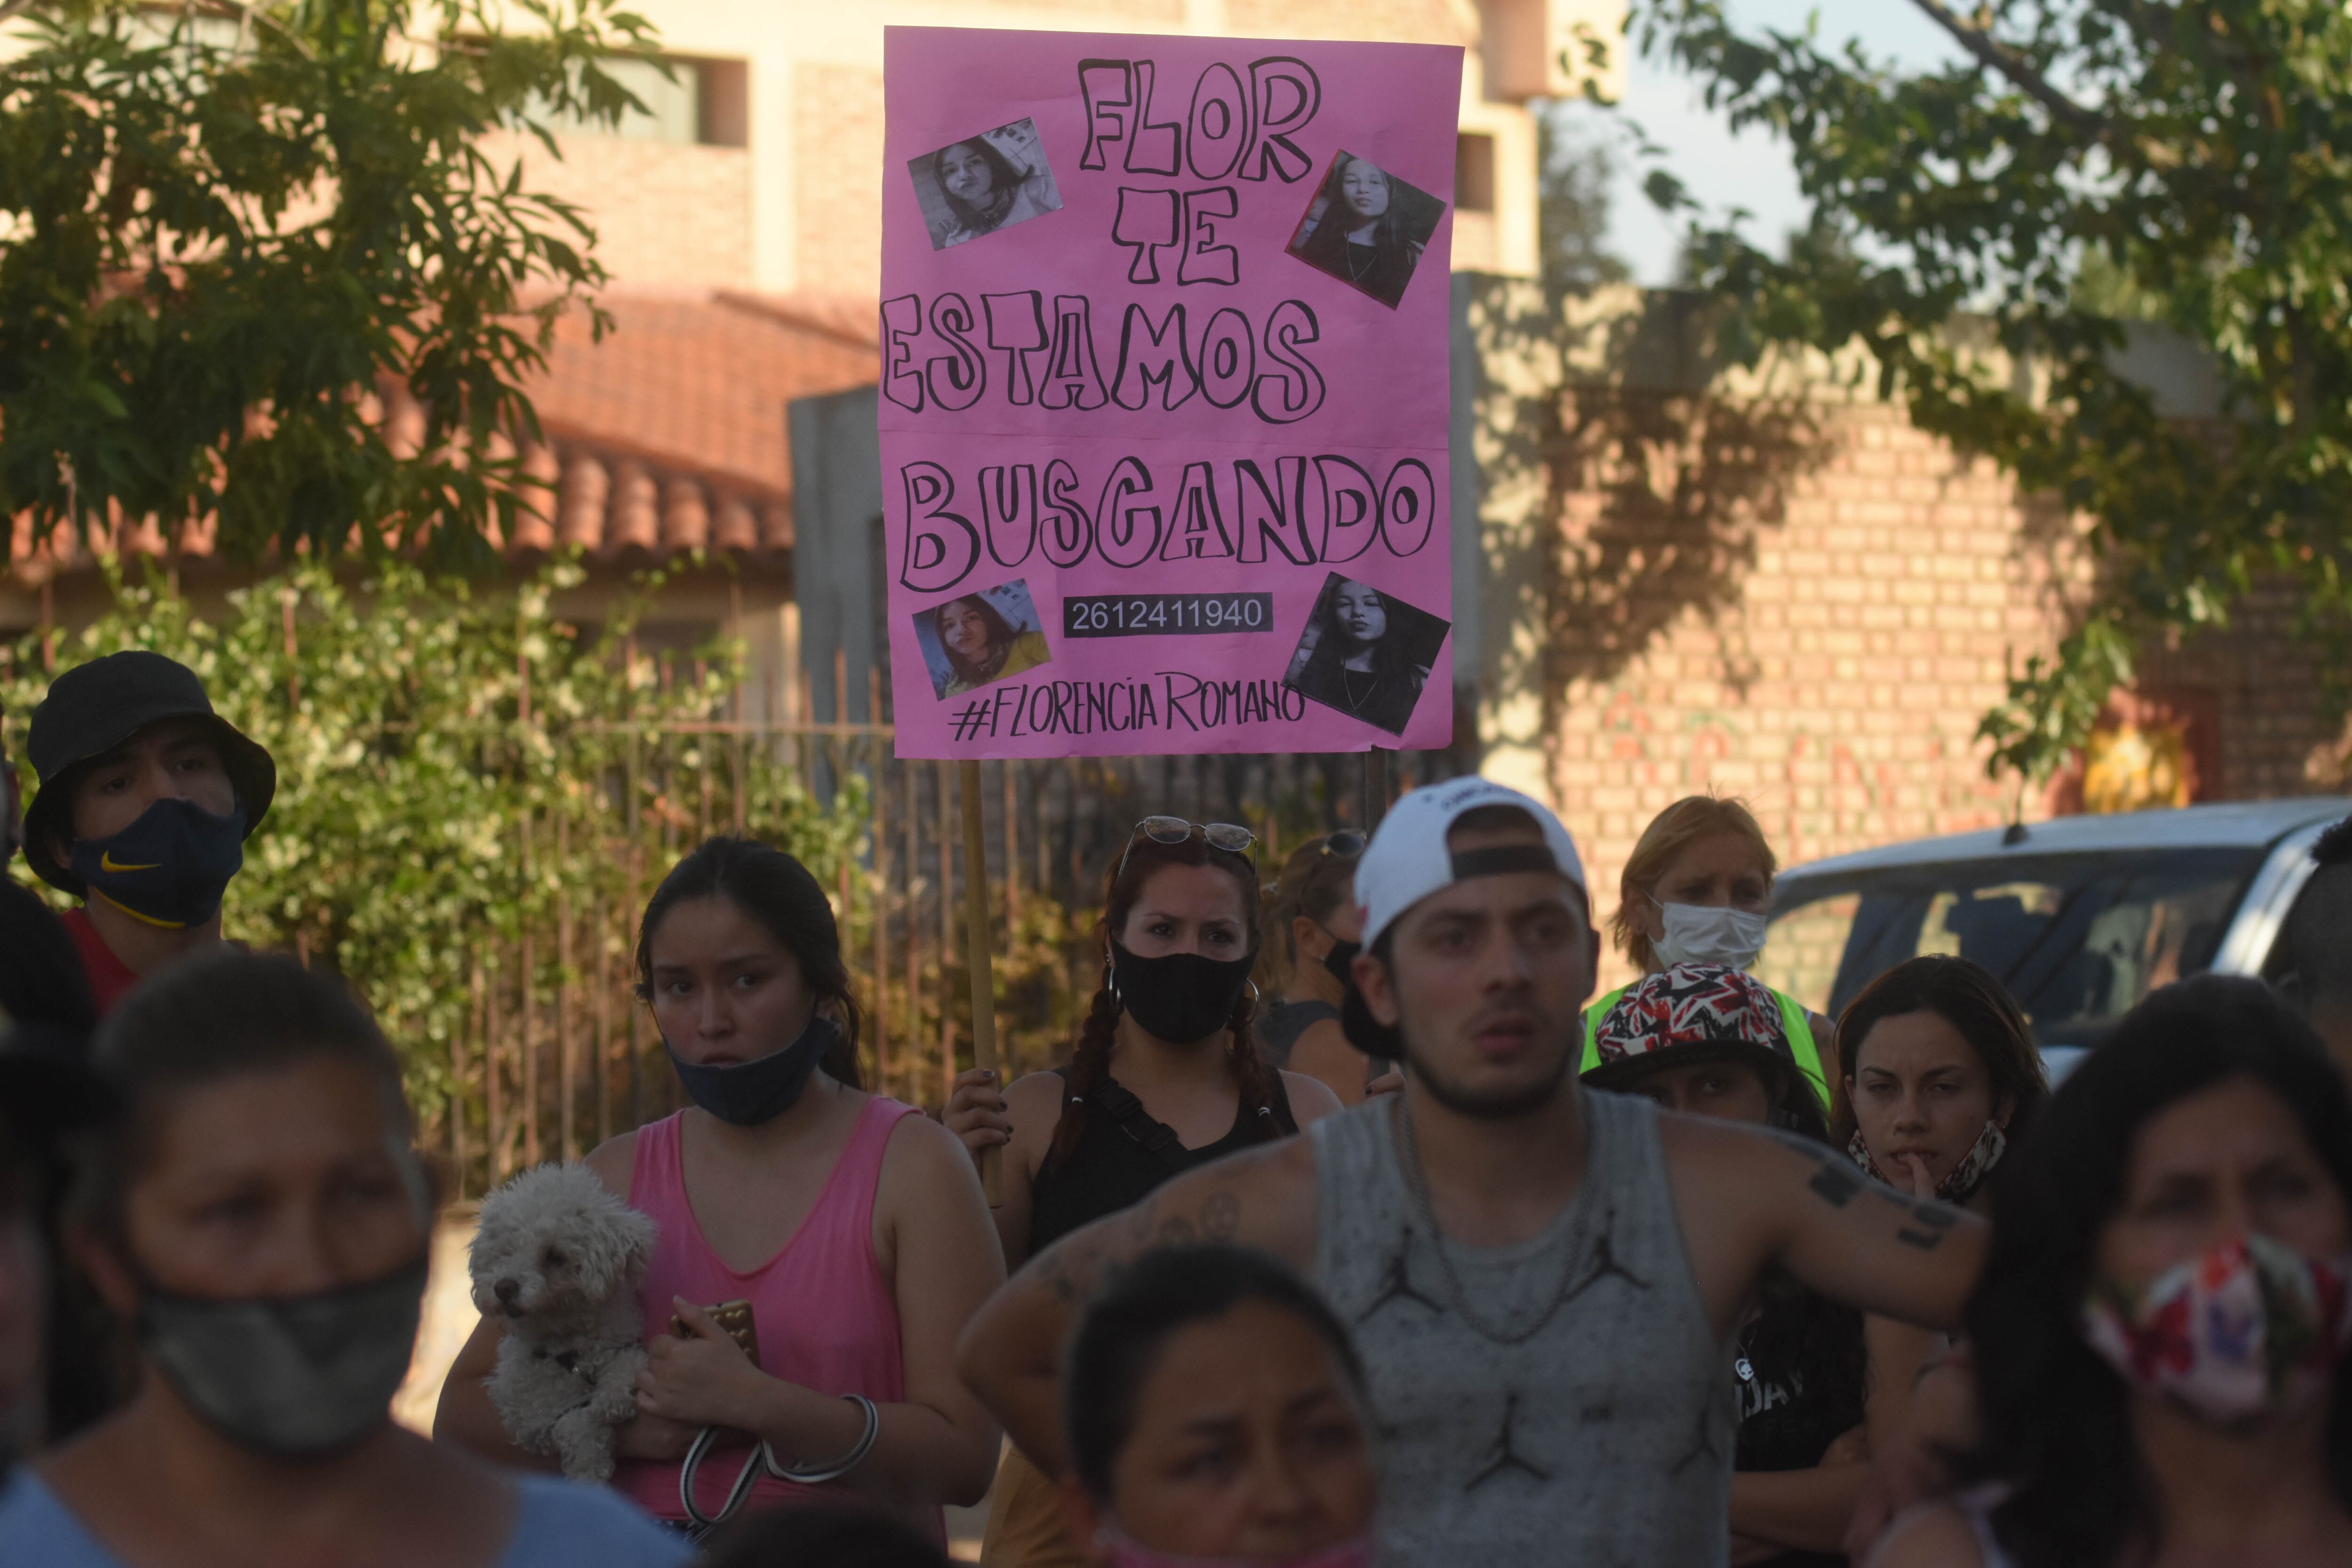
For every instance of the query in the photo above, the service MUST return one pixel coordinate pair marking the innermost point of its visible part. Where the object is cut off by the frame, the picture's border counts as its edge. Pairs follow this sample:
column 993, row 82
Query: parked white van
column 2080, row 917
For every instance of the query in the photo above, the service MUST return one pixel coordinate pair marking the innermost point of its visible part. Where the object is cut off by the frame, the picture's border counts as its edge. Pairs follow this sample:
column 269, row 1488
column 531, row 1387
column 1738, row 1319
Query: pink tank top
column 824, row 1315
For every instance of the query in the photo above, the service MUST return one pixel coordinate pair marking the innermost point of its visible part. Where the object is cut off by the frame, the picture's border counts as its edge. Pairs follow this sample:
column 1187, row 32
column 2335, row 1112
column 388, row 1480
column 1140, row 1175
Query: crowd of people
column 1355, row 1230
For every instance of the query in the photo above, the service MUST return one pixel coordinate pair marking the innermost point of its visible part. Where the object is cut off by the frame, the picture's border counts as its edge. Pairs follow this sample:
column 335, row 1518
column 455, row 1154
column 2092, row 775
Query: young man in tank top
column 1543, row 1280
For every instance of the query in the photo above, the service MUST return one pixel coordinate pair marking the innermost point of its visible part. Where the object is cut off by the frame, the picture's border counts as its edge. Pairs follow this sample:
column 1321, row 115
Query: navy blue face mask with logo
column 170, row 866
column 763, row 1089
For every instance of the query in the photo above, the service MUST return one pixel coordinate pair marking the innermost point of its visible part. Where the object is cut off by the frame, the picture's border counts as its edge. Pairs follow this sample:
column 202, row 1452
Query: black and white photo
column 983, row 183
column 1367, row 227
column 1366, row 653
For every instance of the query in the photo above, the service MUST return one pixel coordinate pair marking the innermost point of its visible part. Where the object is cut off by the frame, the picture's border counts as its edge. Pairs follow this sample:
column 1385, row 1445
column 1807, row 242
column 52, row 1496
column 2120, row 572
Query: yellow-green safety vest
column 1794, row 1019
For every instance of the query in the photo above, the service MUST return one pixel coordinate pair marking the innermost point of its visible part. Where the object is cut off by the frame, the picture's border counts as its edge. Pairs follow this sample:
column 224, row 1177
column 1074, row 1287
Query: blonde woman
column 1697, row 890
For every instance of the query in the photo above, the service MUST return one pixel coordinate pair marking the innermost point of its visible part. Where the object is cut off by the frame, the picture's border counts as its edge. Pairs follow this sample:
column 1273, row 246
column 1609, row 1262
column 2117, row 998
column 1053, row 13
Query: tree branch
column 2015, row 67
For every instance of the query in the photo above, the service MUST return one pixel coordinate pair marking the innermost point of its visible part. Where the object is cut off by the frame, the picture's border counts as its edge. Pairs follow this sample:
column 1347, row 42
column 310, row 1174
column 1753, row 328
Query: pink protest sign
column 1163, row 399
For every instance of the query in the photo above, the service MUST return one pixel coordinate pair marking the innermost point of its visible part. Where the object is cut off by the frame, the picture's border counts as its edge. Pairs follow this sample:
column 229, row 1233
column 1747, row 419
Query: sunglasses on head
column 1345, row 844
column 1230, row 836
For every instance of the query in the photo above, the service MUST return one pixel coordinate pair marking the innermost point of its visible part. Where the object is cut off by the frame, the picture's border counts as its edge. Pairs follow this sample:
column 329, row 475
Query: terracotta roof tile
column 669, row 434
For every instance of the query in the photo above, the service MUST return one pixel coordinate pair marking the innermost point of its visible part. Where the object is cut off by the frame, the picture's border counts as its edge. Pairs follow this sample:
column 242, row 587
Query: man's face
column 173, row 758
column 1486, row 981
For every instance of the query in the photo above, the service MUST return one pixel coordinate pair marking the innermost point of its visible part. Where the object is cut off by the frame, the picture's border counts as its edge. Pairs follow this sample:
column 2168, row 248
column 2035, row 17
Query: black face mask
column 170, row 866
column 1180, row 997
column 290, row 1376
column 761, row 1089
column 1341, row 961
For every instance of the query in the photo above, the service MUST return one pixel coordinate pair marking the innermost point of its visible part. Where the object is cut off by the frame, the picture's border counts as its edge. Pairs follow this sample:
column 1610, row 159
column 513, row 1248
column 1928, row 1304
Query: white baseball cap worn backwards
column 1408, row 859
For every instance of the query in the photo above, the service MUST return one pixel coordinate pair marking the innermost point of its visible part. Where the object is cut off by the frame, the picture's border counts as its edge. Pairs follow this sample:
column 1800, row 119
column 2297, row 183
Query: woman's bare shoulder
column 1037, row 1091
column 615, row 1161
column 1311, row 1098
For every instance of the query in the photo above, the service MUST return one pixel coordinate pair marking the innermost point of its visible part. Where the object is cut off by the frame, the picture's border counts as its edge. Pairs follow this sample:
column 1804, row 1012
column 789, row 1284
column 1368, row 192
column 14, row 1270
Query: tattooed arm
column 1011, row 1351
column 1749, row 1198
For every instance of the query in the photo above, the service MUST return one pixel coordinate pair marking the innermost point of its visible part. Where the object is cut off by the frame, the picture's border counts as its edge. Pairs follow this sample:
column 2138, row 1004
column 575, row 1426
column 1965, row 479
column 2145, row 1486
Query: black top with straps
column 1124, row 1153
column 1279, row 1025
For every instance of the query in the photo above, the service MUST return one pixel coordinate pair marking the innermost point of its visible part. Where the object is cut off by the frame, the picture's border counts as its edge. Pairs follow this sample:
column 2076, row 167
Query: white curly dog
column 558, row 1258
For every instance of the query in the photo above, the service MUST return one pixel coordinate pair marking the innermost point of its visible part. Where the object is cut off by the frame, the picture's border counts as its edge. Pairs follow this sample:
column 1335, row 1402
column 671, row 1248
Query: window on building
column 1474, row 172
column 693, row 103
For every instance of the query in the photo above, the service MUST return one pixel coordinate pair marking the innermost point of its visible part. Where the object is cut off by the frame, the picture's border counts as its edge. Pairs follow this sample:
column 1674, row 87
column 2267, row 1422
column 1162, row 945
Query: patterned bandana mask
column 1126, row 1553
column 2251, row 1330
column 1961, row 1183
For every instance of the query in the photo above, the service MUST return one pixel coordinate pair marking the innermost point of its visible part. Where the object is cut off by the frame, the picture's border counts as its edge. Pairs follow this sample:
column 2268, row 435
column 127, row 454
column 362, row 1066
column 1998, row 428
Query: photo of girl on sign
column 983, row 183
column 1366, row 653
column 977, row 639
column 1367, row 227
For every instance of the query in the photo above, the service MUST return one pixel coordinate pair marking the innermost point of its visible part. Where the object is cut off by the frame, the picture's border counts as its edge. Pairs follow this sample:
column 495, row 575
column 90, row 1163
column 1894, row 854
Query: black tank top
column 1123, row 1154
column 1280, row 1023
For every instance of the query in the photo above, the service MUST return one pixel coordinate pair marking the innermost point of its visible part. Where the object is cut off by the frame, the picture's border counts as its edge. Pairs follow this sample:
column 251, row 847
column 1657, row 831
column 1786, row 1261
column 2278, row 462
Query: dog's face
column 552, row 1247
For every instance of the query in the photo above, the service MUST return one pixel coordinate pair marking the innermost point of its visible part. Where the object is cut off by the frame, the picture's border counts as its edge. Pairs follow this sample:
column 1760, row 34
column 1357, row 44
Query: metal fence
column 556, row 1053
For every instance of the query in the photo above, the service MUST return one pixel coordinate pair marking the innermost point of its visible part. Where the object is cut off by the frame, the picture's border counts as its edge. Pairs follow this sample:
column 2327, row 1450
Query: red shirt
column 109, row 977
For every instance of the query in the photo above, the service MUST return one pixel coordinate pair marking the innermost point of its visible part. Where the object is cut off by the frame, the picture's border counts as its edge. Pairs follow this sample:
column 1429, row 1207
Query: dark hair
column 2056, row 1424
column 1118, row 1342
column 1321, row 671
column 1967, row 996
column 1312, row 884
column 1000, row 633
column 41, row 976
column 206, row 1020
column 1253, row 1075
column 2319, row 931
column 778, row 891
column 1326, row 245
column 821, row 1535
column 1001, row 175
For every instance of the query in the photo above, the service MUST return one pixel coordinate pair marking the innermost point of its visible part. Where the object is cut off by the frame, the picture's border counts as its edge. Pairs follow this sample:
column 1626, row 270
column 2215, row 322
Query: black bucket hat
column 93, row 708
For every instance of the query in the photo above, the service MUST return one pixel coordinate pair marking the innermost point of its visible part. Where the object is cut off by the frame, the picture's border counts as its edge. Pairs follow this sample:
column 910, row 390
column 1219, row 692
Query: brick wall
column 1789, row 596
column 837, row 179
column 663, row 215
column 1806, row 605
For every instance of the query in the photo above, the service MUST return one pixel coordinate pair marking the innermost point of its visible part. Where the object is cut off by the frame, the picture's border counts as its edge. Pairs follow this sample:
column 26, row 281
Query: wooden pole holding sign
column 979, row 958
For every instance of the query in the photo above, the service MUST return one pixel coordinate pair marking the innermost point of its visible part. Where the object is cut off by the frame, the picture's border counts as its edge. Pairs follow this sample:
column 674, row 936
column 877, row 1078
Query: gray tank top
column 1579, row 1410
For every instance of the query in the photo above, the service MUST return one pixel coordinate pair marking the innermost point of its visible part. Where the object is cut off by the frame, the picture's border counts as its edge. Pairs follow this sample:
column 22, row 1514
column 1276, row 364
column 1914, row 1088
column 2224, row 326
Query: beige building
column 761, row 166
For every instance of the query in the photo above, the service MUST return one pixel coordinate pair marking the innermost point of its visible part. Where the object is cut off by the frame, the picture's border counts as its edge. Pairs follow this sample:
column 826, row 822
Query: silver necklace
column 1574, row 1250
column 1354, row 276
column 1348, row 689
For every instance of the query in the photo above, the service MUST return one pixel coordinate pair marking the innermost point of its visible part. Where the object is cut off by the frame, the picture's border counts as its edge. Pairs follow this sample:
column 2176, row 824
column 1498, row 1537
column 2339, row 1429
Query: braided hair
column 1253, row 1077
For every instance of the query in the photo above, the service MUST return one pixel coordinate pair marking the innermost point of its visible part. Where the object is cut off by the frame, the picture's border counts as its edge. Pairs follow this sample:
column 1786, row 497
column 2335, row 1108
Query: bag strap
column 1119, row 1102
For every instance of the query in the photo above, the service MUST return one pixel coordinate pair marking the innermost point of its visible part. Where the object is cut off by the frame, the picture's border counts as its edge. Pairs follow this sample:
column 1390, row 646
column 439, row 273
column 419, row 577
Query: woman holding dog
column 853, row 1226
column 258, row 1211
column 1165, row 1076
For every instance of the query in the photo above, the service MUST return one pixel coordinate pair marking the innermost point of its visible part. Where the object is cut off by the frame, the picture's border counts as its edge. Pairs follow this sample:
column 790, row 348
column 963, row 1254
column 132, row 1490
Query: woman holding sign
column 1165, row 1077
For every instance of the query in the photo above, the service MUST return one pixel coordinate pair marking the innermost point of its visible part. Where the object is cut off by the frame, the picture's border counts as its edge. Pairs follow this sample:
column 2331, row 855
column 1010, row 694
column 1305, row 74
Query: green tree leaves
column 2185, row 164
column 436, row 743
column 218, row 232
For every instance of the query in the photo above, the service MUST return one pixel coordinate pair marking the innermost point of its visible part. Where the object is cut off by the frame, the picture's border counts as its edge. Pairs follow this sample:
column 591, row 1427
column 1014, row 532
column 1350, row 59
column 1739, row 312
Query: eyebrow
column 733, row 961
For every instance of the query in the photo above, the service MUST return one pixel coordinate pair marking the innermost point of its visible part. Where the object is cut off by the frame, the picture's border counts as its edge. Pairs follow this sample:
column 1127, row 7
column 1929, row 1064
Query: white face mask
column 1709, row 933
